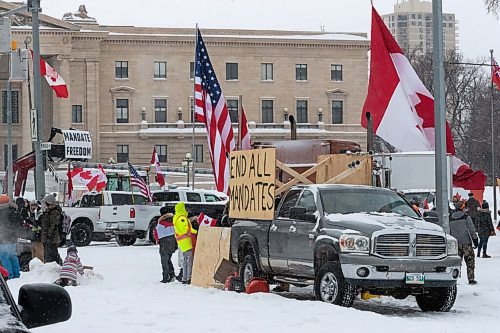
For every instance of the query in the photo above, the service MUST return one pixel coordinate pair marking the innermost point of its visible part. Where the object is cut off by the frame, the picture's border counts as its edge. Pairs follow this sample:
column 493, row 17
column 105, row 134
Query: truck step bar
column 298, row 282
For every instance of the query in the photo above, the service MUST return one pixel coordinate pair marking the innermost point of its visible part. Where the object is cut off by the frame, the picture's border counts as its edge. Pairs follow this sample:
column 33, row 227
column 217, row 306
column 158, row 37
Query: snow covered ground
column 123, row 294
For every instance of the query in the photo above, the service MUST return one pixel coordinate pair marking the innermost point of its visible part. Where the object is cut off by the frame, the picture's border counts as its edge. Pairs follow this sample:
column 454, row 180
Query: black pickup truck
column 344, row 239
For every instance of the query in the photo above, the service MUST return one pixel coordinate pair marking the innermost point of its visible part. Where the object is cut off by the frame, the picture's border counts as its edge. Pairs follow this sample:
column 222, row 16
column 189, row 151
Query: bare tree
column 492, row 6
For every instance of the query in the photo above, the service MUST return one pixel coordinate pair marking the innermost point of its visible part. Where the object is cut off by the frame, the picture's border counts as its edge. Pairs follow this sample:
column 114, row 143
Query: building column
column 92, row 106
column 25, row 120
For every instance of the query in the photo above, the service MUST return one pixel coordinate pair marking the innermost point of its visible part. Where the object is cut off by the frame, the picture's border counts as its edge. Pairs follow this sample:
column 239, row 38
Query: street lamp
column 320, row 114
column 186, row 162
column 179, row 112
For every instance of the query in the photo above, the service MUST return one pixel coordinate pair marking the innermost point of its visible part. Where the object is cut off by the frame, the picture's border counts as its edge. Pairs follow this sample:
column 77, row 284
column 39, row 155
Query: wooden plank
column 307, row 173
column 339, row 163
column 293, row 173
column 252, row 184
column 345, row 174
column 212, row 246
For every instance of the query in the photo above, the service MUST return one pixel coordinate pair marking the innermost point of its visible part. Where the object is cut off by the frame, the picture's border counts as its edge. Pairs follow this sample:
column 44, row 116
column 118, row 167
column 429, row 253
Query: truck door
column 301, row 239
column 278, row 234
column 118, row 210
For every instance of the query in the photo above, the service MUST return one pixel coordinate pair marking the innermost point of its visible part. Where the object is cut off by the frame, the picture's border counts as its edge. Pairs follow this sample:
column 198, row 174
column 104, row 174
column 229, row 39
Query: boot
column 478, row 254
column 179, row 277
column 486, row 256
column 472, row 282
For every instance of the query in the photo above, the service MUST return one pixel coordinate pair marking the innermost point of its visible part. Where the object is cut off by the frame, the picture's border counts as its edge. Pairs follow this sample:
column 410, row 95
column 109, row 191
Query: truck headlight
column 354, row 243
column 451, row 245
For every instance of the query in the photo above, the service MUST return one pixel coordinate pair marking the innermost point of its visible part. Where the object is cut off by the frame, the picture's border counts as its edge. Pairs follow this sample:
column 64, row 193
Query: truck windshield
column 337, row 201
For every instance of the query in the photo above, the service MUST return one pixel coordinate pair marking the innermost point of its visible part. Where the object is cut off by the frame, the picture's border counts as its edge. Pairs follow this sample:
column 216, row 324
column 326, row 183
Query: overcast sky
column 478, row 31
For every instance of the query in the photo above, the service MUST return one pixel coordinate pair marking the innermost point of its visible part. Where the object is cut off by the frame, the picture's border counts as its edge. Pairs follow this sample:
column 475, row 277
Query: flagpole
column 239, row 121
column 130, row 185
column 193, row 121
column 493, row 170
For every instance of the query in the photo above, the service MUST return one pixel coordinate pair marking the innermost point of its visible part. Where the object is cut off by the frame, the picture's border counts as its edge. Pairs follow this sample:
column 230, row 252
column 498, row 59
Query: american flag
column 211, row 109
column 136, row 180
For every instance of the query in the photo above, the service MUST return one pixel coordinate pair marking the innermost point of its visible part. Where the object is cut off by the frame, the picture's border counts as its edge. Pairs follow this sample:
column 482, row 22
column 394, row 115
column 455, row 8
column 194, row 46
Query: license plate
column 415, row 278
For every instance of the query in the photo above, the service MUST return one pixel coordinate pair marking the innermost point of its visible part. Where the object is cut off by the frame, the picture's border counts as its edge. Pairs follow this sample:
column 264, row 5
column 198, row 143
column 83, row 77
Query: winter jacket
column 71, row 266
column 472, row 205
column 165, row 227
column 462, row 228
column 36, row 227
column 11, row 224
column 49, row 221
column 183, row 228
column 484, row 223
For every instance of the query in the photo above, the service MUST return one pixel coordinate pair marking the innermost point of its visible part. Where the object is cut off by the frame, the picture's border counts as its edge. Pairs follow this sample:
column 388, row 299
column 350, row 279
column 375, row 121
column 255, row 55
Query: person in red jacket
column 164, row 234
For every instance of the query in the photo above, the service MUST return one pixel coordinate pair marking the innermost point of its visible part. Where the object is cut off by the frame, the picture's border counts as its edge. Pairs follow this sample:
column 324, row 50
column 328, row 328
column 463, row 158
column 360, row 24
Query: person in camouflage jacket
column 49, row 221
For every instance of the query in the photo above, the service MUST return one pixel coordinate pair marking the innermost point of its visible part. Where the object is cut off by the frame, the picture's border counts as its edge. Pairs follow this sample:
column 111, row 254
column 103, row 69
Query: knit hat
column 49, row 199
column 485, row 205
column 72, row 249
column 4, row 198
column 471, row 194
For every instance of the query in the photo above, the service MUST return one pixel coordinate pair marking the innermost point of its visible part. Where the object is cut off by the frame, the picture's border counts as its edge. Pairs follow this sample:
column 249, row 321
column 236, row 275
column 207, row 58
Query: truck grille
column 410, row 245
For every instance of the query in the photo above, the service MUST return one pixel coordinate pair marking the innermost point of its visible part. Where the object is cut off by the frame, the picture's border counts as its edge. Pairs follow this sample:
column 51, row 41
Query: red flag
column 246, row 141
column 495, row 74
column 70, row 183
column 156, row 162
column 402, row 108
column 206, row 221
column 55, row 81
column 211, row 109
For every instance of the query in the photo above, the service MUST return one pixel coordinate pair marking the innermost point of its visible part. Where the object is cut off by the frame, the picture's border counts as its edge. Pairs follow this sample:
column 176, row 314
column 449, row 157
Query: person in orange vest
column 183, row 235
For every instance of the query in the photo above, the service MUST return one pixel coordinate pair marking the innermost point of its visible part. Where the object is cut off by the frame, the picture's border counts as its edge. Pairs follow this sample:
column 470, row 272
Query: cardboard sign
column 77, row 144
column 252, row 184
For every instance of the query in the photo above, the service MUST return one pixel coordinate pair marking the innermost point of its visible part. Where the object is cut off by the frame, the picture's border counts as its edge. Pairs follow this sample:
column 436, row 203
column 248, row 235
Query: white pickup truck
column 100, row 216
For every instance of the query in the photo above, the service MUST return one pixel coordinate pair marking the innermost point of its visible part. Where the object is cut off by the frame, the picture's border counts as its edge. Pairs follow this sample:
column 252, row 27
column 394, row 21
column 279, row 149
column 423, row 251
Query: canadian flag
column 156, row 162
column 55, row 81
column 93, row 179
column 246, row 142
column 402, row 108
column 206, row 221
column 495, row 74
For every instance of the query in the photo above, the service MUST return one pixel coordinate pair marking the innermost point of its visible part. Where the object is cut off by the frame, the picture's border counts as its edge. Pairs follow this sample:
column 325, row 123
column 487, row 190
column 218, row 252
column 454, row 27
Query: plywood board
column 212, row 246
column 252, row 184
column 340, row 163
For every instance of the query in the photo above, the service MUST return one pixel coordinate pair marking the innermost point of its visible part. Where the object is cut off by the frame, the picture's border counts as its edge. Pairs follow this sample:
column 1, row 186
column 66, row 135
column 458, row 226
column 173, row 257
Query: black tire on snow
column 81, row 234
column 437, row 299
column 152, row 226
column 125, row 240
column 331, row 287
column 250, row 264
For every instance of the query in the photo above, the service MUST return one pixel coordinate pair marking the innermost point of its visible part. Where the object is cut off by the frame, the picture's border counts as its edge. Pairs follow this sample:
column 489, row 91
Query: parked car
column 344, row 239
column 39, row 305
column 188, row 195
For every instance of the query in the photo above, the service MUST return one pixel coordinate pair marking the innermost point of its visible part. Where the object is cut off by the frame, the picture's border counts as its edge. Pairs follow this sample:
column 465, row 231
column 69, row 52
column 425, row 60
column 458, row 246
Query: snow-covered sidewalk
column 123, row 295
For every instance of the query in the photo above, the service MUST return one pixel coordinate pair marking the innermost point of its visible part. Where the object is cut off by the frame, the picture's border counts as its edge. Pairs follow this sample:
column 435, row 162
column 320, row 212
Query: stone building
column 132, row 87
column 411, row 25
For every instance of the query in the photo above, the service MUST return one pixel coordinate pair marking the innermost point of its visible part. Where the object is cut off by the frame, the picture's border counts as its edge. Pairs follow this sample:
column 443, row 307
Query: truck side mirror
column 299, row 213
column 44, row 304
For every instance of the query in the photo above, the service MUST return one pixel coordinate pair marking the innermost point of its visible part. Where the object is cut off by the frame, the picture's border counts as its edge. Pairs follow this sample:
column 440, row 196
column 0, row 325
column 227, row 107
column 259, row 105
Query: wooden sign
column 252, row 184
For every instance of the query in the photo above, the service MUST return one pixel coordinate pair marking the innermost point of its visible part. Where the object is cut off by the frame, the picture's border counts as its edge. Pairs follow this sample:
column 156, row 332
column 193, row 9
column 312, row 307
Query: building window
column 160, row 70
column 267, row 111
column 191, row 70
column 301, row 111
column 232, row 108
column 5, row 152
column 160, row 110
column 161, row 151
column 198, row 153
column 122, row 153
column 76, row 114
column 337, row 112
column 336, row 72
column 266, row 72
column 15, row 106
column 121, row 69
column 231, row 71
column 301, row 72
column 122, row 110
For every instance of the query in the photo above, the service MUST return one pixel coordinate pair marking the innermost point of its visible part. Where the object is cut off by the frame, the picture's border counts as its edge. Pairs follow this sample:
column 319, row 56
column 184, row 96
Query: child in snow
column 71, row 266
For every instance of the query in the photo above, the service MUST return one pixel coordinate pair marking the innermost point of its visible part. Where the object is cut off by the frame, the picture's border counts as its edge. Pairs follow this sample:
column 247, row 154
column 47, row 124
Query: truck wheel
column 331, row 287
column 125, row 240
column 249, row 269
column 437, row 299
column 151, row 235
column 81, row 234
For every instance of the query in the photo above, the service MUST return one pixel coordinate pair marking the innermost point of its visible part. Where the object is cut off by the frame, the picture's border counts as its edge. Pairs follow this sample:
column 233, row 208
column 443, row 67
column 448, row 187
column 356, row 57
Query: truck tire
column 248, row 269
column 331, row 287
column 151, row 235
column 125, row 240
column 81, row 234
column 437, row 299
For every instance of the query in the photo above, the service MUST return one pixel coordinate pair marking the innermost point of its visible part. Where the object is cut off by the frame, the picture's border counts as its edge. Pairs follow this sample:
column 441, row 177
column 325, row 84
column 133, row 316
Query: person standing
column 50, row 220
column 485, row 228
column 472, row 205
column 462, row 228
column 11, row 227
column 34, row 214
column 164, row 234
column 183, row 235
